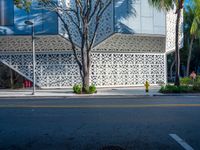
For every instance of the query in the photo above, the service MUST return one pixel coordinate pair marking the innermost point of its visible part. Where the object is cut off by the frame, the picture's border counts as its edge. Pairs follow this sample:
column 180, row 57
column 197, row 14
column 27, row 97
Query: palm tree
column 192, row 27
column 167, row 5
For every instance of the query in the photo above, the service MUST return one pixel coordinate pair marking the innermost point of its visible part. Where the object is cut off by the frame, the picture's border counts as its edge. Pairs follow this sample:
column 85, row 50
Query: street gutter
column 95, row 96
column 74, row 96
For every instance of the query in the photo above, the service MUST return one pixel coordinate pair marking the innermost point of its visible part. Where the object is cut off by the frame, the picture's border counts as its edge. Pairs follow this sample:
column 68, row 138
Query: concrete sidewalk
column 130, row 91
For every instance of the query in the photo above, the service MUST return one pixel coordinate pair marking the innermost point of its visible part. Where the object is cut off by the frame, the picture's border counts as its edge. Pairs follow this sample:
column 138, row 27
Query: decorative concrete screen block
column 115, row 43
column 132, row 43
column 106, row 27
column 171, row 31
column 59, row 70
column 42, row 44
column 69, row 20
column 131, row 47
column 127, row 69
column 52, row 69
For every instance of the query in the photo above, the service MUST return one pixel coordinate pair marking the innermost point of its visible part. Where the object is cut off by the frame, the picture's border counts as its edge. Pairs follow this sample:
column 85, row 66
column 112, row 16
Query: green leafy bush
column 189, row 81
column 187, row 86
column 186, row 81
column 18, row 85
column 196, row 87
column 92, row 89
column 198, row 79
column 176, row 89
column 77, row 89
column 88, row 90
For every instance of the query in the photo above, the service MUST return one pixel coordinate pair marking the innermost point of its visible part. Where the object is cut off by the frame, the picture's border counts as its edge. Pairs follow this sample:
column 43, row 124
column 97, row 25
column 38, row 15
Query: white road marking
column 181, row 142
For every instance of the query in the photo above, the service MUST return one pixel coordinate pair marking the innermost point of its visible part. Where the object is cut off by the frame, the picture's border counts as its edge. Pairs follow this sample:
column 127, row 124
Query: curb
column 94, row 96
column 176, row 95
column 75, row 96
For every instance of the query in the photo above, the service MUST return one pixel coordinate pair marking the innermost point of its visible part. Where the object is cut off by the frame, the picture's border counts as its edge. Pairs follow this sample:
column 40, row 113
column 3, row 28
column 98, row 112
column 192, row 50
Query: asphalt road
column 96, row 123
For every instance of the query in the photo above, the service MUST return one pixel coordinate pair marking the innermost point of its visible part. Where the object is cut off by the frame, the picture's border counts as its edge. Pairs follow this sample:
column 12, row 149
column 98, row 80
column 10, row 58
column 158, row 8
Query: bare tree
column 81, row 14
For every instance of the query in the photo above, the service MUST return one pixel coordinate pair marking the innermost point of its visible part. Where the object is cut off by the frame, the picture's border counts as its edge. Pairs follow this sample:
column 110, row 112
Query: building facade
column 131, row 45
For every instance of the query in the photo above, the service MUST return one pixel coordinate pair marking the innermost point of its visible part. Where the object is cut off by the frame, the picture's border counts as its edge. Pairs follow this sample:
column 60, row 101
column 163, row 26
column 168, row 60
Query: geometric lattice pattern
column 171, row 31
column 116, row 43
column 117, row 59
column 106, row 24
column 130, row 43
column 59, row 70
column 42, row 43
column 105, row 29
column 127, row 69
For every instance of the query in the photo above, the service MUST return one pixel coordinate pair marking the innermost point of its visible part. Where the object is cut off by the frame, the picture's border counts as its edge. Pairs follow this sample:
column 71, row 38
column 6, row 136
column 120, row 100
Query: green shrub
column 187, row 86
column 88, row 90
column 92, row 89
column 18, row 85
column 198, row 79
column 196, row 87
column 176, row 89
column 186, row 81
column 189, row 81
column 185, row 89
column 77, row 89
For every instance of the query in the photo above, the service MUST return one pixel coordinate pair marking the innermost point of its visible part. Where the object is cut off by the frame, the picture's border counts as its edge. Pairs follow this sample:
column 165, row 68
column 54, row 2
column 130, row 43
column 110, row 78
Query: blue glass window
column 45, row 22
column 6, row 12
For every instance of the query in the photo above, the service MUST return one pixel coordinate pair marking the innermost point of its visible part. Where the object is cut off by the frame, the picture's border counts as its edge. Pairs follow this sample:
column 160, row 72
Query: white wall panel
column 147, row 25
column 146, row 9
column 143, row 20
column 59, row 70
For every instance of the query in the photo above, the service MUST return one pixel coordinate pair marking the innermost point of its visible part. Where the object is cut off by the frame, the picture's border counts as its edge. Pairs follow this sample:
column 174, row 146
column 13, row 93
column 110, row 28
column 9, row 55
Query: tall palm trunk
column 171, row 69
column 177, row 54
column 189, row 56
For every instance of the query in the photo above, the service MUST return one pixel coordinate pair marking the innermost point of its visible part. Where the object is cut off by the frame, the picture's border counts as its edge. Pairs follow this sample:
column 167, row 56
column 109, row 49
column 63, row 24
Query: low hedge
column 189, row 81
column 188, row 85
column 195, row 88
column 77, row 88
column 186, row 81
column 176, row 89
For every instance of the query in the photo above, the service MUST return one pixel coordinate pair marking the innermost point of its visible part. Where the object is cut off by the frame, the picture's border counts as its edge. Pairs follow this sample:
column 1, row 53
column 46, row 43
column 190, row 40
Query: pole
column 33, row 47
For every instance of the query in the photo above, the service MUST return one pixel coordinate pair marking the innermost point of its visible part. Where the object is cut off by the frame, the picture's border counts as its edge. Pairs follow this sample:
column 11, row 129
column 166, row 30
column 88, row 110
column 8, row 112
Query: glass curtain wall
column 12, row 20
column 6, row 12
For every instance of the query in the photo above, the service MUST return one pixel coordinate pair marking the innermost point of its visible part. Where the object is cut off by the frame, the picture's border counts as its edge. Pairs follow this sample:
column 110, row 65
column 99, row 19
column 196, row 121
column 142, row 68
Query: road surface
column 126, row 123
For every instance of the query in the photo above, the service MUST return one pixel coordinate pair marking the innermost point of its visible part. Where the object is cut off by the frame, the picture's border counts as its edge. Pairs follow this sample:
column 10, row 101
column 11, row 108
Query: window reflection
column 6, row 12
column 46, row 22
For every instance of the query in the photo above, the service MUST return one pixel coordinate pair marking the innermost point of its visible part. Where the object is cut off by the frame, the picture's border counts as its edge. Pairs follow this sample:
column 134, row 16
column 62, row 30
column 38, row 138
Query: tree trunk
column 86, row 82
column 177, row 54
column 171, row 69
column 189, row 56
column 86, row 77
column 86, row 71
